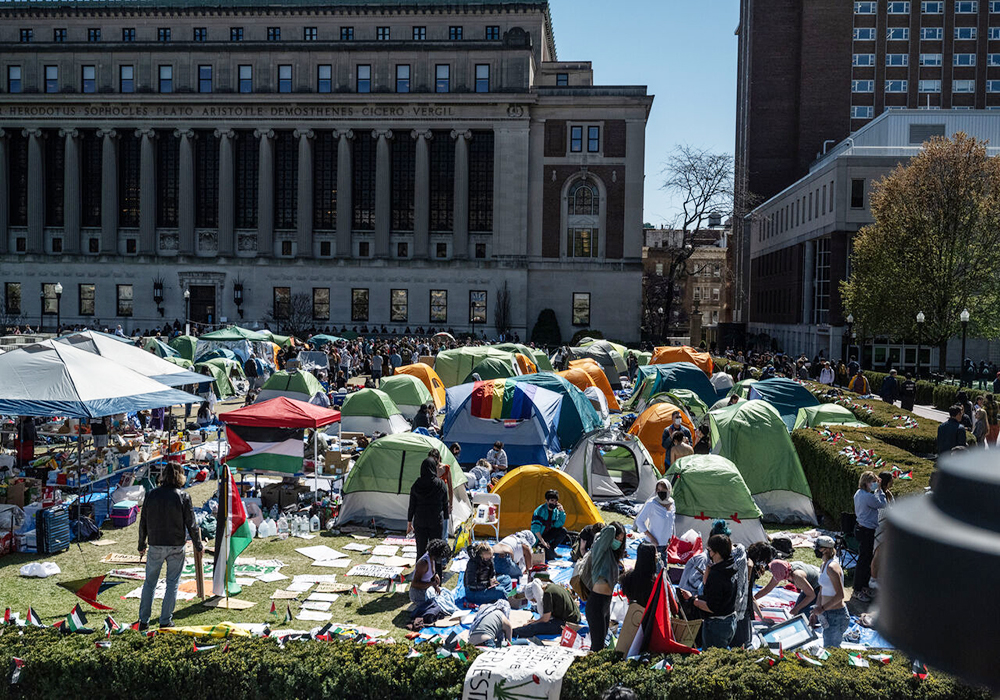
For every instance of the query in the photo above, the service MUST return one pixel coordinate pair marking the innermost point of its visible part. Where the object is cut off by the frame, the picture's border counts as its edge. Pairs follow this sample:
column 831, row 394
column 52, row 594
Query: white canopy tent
column 127, row 355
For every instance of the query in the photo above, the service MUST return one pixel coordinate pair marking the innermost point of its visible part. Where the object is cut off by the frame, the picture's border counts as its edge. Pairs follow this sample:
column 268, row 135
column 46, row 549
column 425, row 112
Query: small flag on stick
column 33, row 619
column 15, row 676
column 288, row 613
column 76, row 620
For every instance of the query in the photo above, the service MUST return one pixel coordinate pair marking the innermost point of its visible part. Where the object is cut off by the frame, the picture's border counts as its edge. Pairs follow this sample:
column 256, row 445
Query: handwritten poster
column 518, row 672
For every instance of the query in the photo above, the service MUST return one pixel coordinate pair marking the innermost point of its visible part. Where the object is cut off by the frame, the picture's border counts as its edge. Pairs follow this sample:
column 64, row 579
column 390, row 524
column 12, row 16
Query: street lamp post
column 850, row 333
column 59, row 291
column 964, row 316
column 920, row 338
column 661, row 324
column 187, row 312
column 41, row 310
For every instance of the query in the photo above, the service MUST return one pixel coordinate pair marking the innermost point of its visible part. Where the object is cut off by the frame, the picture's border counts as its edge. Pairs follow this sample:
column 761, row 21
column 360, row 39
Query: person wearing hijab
column 637, row 584
column 600, row 578
column 656, row 518
column 428, row 507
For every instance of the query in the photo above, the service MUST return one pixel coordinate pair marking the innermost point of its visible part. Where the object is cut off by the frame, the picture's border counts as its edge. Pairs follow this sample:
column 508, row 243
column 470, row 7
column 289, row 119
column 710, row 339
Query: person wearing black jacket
column 718, row 598
column 428, row 504
column 907, row 393
column 167, row 517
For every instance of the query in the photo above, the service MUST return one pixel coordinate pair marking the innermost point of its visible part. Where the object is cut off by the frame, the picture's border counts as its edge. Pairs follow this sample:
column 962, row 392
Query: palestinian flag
column 33, row 619
column 76, row 619
column 414, row 654
column 15, row 675
column 232, row 535
column 655, row 634
column 110, row 626
column 6, row 616
column 288, row 613
column 805, row 659
column 260, row 449
column 662, row 665
column 134, row 626
column 919, row 670
column 274, row 610
column 87, row 589
column 203, row 647
column 857, row 660
column 103, row 644
column 881, row 658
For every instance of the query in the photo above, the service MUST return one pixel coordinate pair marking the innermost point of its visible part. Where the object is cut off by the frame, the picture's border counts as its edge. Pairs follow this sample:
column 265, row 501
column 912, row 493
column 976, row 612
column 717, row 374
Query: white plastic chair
column 486, row 500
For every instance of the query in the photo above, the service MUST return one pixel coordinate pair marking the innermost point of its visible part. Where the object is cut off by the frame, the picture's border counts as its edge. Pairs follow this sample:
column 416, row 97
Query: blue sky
column 683, row 50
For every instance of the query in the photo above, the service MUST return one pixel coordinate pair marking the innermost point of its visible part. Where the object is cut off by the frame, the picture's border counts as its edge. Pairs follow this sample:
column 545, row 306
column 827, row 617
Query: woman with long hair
column 601, row 577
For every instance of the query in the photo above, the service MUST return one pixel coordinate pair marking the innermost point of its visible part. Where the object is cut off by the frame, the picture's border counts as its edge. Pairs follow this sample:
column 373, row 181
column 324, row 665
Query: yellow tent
column 593, row 370
column 523, row 489
column 649, row 427
column 664, row 355
column 429, row 377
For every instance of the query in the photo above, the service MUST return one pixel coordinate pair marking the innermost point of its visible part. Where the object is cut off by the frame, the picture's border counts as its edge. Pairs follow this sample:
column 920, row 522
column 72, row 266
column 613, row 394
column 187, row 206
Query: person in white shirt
column 826, row 375
column 497, row 457
column 656, row 518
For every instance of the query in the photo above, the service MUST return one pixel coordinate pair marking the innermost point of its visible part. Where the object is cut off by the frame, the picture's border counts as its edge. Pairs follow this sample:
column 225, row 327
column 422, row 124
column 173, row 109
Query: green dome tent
column 453, row 366
column 742, row 388
column 541, row 360
column 685, row 398
column 220, row 378
column 407, row 392
column 753, row 436
column 786, row 395
column 494, row 368
column 539, row 357
column 185, row 346
column 180, row 362
column 234, row 334
column 707, row 488
column 282, row 341
column 159, row 348
column 320, row 340
column 654, row 379
column 378, row 486
column 302, row 386
column 826, row 414
column 371, row 411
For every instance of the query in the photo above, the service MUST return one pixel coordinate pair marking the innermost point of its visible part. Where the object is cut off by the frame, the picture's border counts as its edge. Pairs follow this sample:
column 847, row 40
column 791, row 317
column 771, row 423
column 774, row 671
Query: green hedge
column 833, row 479
column 941, row 396
column 137, row 667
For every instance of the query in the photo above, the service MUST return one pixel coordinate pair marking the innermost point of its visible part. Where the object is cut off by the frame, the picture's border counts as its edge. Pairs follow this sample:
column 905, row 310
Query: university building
column 392, row 162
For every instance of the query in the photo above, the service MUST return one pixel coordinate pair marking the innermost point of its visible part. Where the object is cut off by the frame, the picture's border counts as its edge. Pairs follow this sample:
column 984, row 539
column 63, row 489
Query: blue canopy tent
column 787, row 397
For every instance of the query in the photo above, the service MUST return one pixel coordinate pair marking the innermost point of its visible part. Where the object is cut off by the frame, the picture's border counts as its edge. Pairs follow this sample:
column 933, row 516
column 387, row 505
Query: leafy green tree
column 934, row 247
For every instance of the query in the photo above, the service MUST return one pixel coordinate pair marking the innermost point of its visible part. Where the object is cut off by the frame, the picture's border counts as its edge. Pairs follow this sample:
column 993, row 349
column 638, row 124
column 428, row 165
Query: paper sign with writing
column 517, row 673
column 374, row 571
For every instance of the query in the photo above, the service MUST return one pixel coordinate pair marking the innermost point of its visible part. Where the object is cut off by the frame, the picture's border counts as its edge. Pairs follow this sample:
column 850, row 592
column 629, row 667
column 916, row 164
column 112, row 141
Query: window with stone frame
column 439, row 306
column 124, row 300
column 128, row 180
column 325, row 181
column 206, row 179
column 581, row 308
column 584, row 199
column 359, row 305
column 246, row 154
column 481, row 182
column 87, row 296
column 363, row 185
column 167, row 157
column 398, row 305
column 18, row 183
column 403, row 153
column 321, row 304
column 12, row 298
column 477, row 306
column 442, row 182
column 91, row 164
column 281, row 302
column 286, row 179
column 55, row 159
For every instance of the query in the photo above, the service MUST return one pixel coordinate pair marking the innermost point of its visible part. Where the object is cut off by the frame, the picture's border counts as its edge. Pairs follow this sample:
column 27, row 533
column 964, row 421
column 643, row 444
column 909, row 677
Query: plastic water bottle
column 274, row 512
column 314, row 523
column 482, row 483
column 283, row 525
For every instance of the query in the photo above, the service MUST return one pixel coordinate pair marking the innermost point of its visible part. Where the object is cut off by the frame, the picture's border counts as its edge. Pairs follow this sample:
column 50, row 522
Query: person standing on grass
column 600, row 578
column 167, row 515
column 429, row 504
column 869, row 499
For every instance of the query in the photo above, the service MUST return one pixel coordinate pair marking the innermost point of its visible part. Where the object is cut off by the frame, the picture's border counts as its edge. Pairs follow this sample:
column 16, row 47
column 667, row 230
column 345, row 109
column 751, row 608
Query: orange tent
column 649, row 427
column 525, row 364
column 589, row 367
column 429, row 377
column 664, row 355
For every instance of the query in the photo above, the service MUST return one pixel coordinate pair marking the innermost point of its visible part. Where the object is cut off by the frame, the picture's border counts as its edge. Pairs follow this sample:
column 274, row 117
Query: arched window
column 584, row 199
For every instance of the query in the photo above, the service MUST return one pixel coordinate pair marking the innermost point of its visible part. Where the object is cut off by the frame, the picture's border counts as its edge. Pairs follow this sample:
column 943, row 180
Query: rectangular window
column 477, row 306
column 931, row 59
column 576, row 139
column 126, row 79
column 12, row 298
column 163, row 34
column 442, row 78
column 310, row 33
column 347, row 33
column 439, row 306
column 493, row 33
column 87, row 295
column 321, row 304
column 994, row 6
column 993, row 86
column 204, row 78
column 130, row 243
column 26, row 36
column 994, row 33
column 398, row 306
column 88, row 78
column 581, row 243
column 581, row 308
column 993, row 60
column 897, row 34
column 454, row 33
column 281, row 302
column 363, row 82
column 857, row 194
column 124, row 296
column 864, row 59
column 864, row 8
column 325, row 249
column 441, row 250
column 419, row 33
column 402, row 78
column 898, row 8
column 593, row 139
column 862, row 112
column 929, row 86
column 364, row 249
column 963, row 86
column 895, row 85
column 93, row 35
column 932, row 33
column 482, row 77
column 966, row 33
column 862, row 86
column 50, row 302
column 200, row 34
column 285, row 78
column 864, row 34
column 382, row 34
column 13, row 79
column 359, row 305
column 51, row 78
column 236, row 33
column 821, row 298
column 59, row 35
column 966, row 7
column 562, row 79
column 128, row 34
column 402, row 250
column 324, row 78
column 932, row 8
column 246, row 78
column 274, row 33
column 965, row 59
column 897, row 59
column 166, row 78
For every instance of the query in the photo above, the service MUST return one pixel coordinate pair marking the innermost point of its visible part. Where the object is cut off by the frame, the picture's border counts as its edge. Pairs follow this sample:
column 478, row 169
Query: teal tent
column 786, row 395
column 576, row 416
column 654, row 379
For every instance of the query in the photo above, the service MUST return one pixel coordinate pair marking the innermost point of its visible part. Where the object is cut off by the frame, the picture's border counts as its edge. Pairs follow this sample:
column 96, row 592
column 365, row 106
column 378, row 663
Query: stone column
column 4, row 202
column 304, row 214
column 36, row 190
column 147, row 192
column 345, row 211
column 383, row 192
column 185, row 199
column 109, row 191
column 71, row 191
column 422, row 194
column 227, row 200
column 265, row 193
column 460, row 238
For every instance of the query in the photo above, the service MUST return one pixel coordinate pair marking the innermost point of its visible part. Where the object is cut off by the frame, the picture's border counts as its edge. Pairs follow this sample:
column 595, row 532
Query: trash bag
column 85, row 529
column 207, row 526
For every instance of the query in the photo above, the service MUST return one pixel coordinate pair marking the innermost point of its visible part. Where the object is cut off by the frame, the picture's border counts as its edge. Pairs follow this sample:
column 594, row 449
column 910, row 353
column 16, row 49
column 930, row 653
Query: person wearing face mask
column 600, row 576
column 482, row 584
column 719, row 596
column 676, row 426
column 830, row 611
column 680, row 446
column 869, row 499
column 656, row 518
column 547, row 524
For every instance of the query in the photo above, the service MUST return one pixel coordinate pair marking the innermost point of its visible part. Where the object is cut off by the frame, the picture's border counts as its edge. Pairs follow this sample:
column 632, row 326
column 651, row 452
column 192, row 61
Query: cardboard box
column 16, row 493
column 336, row 462
column 351, row 436
column 633, row 619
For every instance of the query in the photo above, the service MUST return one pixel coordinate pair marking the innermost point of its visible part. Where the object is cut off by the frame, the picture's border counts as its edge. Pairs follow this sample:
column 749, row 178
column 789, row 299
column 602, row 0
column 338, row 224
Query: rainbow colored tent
column 524, row 417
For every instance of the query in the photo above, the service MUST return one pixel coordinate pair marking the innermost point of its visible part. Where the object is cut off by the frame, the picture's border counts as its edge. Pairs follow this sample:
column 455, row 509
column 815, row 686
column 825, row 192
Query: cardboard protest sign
column 531, row 671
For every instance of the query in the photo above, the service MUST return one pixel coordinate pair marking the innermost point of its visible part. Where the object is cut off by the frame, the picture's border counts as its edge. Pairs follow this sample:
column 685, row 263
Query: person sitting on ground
column 831, row 600
column 805, row 578
column 637, row 584
column 680, row 446
column 547, row 524
column 656, row 518
column 556, row 606
column 868, row 501
column 425, row 419
column 497, row 457
column 585, row 541
column 482, row 584
column 427, row 574
column 719, row 596
column 733, row 400
column 600, row 578
column 205, row 415
column 491, row 626
column 512, row 554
